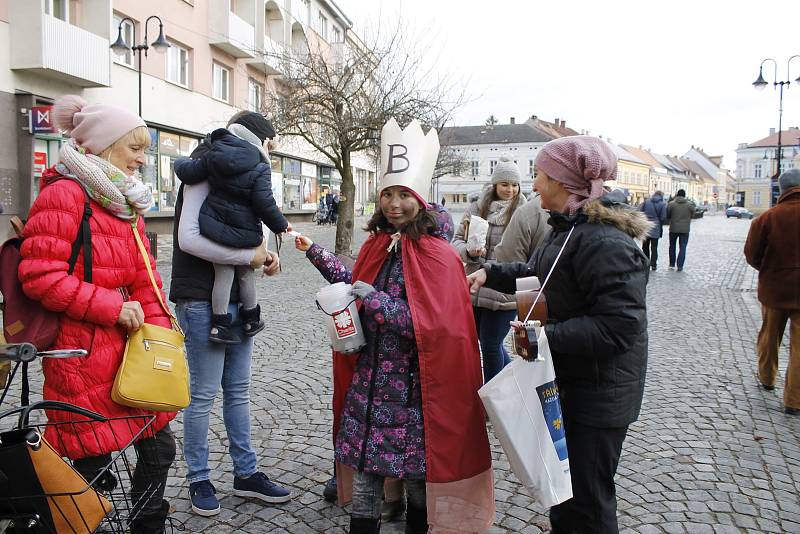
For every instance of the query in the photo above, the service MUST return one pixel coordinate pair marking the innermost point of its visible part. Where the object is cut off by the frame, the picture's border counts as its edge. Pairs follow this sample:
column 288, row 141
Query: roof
column 492, row 135
column 624, row 155
column 788, row 137
column 556, row 130
column 643, row 155
column 698, row 170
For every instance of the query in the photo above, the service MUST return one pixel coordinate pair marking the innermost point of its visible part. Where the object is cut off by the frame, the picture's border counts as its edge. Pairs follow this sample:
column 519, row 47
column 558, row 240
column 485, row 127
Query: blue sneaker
column 259, row 486
column 204, row 499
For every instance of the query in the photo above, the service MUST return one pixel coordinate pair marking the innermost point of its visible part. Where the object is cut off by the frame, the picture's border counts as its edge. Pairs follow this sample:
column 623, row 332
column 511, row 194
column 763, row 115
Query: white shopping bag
column 523, row 404
column 477, row 232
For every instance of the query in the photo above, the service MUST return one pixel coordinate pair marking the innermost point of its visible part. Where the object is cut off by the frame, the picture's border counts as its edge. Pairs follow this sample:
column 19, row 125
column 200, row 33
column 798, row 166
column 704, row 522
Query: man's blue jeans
column 212, row 365
column 493, row 327
column 683, row 240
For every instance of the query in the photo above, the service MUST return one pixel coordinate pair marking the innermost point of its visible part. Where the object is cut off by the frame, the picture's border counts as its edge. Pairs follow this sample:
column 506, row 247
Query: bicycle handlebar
column 26, row 352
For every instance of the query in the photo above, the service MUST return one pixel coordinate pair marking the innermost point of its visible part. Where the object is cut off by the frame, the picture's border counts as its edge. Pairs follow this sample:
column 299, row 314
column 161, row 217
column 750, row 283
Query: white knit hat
column 506, row 171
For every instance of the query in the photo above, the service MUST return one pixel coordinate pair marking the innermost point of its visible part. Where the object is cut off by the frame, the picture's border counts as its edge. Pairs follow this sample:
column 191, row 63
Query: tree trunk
column 344, row 224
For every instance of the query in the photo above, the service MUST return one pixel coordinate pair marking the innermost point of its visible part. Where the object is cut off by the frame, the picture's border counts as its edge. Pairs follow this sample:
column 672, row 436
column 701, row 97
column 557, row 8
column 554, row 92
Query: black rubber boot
column 151, row 524
column 251, row 321
column 221, row 331
column 329, row 492
column 364, row 525
column 393, row 510
column 416, row 520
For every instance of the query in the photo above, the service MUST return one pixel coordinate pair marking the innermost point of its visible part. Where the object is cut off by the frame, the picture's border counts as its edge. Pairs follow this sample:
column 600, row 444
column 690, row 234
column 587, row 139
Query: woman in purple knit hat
column 597, row 327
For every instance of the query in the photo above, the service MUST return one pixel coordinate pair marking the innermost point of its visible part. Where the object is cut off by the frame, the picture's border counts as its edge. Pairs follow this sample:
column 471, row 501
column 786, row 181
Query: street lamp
column 121, row 47
column 760, row 84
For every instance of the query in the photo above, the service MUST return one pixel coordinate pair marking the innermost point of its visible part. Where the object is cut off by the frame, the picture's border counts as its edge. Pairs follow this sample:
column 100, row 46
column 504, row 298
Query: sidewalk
column 711, row 453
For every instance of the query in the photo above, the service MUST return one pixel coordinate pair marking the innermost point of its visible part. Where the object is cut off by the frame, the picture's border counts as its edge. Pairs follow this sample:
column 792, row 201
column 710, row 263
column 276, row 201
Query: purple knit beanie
column 93, row 126
column 581, row 164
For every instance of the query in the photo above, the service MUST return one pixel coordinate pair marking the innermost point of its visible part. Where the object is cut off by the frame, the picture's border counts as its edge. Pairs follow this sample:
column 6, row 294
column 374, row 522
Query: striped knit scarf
column 124, row 196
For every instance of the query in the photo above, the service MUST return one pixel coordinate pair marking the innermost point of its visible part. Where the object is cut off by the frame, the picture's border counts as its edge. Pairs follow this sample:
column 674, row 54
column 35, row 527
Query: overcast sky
column 663, row 74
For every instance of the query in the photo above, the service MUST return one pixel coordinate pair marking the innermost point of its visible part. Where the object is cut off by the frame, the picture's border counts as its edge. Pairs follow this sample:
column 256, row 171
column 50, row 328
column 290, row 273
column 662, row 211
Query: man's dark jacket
column 597, row 304
column 240, row 194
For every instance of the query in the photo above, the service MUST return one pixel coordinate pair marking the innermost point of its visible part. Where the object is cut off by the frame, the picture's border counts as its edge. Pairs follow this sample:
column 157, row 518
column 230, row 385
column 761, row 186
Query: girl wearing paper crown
column 407, row 406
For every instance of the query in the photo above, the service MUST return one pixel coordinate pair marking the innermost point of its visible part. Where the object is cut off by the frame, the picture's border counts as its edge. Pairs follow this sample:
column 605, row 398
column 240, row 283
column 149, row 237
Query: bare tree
column 339, row 97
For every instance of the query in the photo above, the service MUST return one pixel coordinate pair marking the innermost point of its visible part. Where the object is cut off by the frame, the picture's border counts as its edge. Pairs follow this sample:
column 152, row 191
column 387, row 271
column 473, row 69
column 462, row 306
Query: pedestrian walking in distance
column 656, row 211
column 679, row 213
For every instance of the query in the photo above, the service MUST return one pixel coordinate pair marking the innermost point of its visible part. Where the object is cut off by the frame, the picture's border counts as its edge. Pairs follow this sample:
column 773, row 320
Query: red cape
column 456, row 443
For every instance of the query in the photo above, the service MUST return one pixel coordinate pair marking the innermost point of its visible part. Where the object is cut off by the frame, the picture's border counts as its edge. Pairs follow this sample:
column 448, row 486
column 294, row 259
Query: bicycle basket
column 42, row 492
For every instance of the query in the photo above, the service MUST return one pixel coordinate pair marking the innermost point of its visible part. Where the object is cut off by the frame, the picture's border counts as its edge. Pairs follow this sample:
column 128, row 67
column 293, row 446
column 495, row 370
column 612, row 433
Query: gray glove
column 361, row 289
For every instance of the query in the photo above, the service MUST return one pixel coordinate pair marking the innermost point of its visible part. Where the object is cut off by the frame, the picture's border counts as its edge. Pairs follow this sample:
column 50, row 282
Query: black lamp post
column 760, row 84
column 121, row 47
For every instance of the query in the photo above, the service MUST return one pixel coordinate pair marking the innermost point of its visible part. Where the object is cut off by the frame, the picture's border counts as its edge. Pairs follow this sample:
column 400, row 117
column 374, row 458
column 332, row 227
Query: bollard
column 153, row 238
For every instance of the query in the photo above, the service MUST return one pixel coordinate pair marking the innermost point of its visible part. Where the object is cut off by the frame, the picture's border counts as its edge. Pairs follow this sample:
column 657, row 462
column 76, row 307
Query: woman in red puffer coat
column 105, row 150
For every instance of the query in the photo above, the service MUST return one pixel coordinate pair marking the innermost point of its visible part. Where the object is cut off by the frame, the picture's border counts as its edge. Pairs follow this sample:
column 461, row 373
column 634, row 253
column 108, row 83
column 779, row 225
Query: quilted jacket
column 88, row 312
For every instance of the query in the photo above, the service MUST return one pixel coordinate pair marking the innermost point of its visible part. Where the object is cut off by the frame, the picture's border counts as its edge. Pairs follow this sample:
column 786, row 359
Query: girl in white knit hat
column 493, row 310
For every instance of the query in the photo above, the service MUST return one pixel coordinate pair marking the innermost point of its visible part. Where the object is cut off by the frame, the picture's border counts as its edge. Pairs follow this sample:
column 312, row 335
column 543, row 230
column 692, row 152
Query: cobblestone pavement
column 711, row 453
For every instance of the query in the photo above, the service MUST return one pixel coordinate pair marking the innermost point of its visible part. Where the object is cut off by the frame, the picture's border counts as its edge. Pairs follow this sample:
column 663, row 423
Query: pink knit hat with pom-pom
column 93, row 126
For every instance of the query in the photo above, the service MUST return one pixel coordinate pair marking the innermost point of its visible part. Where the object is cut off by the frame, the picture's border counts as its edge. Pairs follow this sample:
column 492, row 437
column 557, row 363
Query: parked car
column 699, row 211
column 739, row 213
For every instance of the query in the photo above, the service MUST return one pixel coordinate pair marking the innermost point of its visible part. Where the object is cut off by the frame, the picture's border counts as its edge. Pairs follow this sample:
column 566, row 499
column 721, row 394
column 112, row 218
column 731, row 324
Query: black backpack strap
column 84, row 238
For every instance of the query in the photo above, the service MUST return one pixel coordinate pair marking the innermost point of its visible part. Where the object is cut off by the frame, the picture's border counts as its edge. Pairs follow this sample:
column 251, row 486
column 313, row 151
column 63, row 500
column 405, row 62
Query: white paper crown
column 408, row 157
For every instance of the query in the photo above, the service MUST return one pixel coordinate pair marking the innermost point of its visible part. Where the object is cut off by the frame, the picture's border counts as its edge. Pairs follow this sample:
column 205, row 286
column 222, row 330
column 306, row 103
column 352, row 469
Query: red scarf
column 456, row 443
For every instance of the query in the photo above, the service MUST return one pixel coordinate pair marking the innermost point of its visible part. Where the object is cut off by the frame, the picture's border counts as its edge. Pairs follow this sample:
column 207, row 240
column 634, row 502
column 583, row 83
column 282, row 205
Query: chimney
column 563, row 124
column 513, row 121
column 555, row 122
column 772, row 131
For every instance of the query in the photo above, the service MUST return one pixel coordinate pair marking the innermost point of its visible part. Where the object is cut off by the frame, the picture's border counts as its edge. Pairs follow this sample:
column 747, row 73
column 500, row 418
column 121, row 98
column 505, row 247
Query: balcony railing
column 64, row 51
column 231, row 33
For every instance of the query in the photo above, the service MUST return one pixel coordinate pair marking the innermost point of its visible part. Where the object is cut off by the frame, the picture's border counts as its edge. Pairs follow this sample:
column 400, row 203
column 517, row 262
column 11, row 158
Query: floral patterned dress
column 382, row 426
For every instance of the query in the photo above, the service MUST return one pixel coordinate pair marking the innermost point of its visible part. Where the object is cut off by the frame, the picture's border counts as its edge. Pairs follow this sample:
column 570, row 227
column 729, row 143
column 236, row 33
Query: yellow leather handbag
column 154, row 374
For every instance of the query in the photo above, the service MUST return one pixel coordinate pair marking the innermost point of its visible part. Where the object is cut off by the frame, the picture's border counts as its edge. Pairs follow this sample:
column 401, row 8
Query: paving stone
column 711, row 452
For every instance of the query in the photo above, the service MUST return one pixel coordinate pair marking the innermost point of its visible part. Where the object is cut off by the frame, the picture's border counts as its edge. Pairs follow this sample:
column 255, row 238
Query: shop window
column 159, row 169
column 275, row 162
column 45, row 154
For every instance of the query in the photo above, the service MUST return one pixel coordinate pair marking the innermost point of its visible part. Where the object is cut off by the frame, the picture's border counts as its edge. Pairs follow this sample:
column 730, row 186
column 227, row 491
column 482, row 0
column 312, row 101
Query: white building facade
column 479, row 149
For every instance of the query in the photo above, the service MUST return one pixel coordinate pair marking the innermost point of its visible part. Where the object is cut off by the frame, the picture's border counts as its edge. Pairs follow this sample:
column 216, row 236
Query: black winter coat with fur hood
column 597, row 304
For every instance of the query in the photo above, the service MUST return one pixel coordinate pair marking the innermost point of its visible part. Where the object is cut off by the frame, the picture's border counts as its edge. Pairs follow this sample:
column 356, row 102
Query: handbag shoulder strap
column 157, row 291
column 547, row 278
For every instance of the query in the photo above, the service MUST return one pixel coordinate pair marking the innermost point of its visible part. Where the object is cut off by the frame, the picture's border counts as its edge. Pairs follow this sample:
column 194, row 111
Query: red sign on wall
column 41, row 120
column 39, row 163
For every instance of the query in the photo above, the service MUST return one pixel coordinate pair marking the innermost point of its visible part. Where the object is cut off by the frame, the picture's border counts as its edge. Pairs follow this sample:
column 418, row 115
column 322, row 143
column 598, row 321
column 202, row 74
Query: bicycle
column 102, row 500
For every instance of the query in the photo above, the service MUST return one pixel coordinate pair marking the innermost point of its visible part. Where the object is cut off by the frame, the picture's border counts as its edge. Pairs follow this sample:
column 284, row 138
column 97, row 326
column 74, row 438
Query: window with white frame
column 57, row 8
column 756, row 198
column 474, row 167
column 127, row 36
column 531, row 170
column 337, row 35
column 255, row 92
column 220, row 80
column 757, row 170
column 492, row 165
column 322, row 26
column 178, row 64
